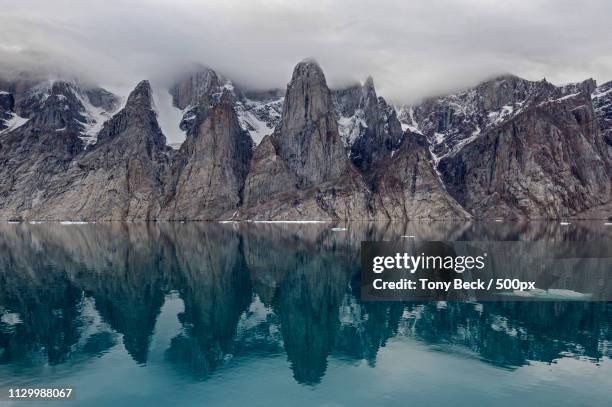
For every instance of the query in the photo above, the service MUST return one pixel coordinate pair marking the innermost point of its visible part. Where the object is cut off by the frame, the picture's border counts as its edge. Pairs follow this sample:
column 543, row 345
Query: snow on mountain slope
column 366, row 122
column 169, row 117
column 12, row 122
column 451, row 122
column 63, row 105
column 258, row 111
column 602, row 102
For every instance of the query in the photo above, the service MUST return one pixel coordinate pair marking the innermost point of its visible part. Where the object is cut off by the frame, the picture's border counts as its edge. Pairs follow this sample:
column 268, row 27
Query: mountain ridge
column 311, row 153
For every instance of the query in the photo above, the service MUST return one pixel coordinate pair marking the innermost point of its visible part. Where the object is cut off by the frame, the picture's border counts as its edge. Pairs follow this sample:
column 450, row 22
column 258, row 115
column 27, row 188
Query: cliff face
column 307, row 137
column 602, row 102
column 302, row 170
column 36, row 148
column 515, row 148
column 408, row 186
column 118, row 178
column 369, row 127
column 207, row 177
column 547, row 161
column 505, row 148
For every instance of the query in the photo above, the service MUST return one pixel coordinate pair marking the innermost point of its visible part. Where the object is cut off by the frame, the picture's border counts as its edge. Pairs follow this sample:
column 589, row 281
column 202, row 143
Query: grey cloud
column 412, row 48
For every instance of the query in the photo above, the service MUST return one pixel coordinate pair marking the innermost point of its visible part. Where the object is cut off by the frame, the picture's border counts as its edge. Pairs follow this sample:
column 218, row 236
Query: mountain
column 258, row 112
column 368, row 126
column 516, row 148
column 397, row 166
column 61, row 105
column 208, row 172
column 409, row 187
column 118, row 178
column 507, row 147
column 602, row 102
column 47, row 125
column 302, row 170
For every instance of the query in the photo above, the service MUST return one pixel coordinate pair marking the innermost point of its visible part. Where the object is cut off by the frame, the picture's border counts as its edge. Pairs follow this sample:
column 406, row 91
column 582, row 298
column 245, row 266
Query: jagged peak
column 227, row 98
column 195, row 87
column 141, row 95
column 368, row 90
column 308, row 68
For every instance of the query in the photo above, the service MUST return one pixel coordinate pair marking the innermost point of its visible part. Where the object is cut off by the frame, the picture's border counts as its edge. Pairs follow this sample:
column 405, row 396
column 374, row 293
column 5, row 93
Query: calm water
column 269, row 314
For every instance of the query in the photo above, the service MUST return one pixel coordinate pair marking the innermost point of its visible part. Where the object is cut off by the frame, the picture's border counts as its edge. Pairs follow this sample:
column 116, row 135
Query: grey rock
column 7, row 104
column 548, row 161
column 268, row 175
column 195, row 88
column 102, row 98
column 307, row 137
column 381, row 136
column 195, row 94
column 602, row 102
column 206, row 180
column 408, row 186
column 118, row 178
column 302, row 171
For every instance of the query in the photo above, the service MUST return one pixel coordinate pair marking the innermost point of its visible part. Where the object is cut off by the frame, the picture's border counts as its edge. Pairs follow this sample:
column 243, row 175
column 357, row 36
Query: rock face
column 516, row 148
column 118, row 178
column 195, row 94
column 7, row 104
column 35, row 150
column 602, row 101
column 408, row 186
column 307, row 137
column 505, row 148
column 547, row 161
column 302, row 171
column 207, row 178
column 56, row 105
column 368, row 126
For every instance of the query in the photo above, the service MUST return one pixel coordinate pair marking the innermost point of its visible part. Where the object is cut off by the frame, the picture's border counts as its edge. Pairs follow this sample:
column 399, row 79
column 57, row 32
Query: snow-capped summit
column 368, row 126
column 61, row 106
column 452, row 121
column 258, row 111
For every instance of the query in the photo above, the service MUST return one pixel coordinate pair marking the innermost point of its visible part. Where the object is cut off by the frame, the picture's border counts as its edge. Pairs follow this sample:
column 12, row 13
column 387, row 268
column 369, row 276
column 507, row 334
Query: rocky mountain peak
column 227, row 98
column 368, row 85
column 136, row 121
column 307, row 97
column 195, row 88
column 369, row 127
column 307, row 136
column 207, row 178
column 141, row 96
column 309, row 68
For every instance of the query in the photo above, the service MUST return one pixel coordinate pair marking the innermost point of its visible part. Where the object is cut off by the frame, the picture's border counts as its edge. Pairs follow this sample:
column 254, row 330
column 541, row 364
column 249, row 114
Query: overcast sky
column 411, row 48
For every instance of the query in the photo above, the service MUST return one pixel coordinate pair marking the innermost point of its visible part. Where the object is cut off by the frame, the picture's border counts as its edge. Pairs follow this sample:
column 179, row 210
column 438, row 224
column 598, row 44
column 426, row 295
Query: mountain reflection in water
column 70, row 294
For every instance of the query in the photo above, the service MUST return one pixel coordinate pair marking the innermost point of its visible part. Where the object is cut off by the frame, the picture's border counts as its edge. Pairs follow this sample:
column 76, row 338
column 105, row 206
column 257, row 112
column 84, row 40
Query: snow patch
column 258, row 117
column 350, row 128
column 169, row 118
column 13, row 123
column 599, row 94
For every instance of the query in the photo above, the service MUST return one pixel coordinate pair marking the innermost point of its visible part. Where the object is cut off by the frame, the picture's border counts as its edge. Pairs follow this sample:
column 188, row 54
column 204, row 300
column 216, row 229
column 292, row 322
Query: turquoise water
column 269, row 314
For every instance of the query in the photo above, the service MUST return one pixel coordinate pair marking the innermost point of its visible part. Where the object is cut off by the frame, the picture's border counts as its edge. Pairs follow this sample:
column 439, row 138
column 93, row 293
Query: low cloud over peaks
column 412, row 49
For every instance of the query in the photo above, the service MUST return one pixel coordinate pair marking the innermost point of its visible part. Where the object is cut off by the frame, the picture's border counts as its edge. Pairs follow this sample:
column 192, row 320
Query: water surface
column 269, row 314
